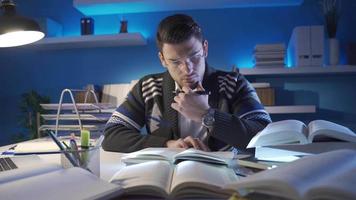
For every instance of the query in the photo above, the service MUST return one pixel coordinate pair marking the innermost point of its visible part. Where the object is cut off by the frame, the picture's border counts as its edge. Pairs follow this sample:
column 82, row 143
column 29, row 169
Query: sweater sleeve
column 123, row 130
column 245, row 118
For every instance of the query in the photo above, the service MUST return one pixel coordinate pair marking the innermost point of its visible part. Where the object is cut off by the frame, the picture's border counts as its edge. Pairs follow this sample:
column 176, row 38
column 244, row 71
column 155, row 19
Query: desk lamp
column 16, row 30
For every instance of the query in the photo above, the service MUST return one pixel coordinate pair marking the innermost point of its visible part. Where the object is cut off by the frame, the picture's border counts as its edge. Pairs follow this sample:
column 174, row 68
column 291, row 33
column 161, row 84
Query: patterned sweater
column 239, row 114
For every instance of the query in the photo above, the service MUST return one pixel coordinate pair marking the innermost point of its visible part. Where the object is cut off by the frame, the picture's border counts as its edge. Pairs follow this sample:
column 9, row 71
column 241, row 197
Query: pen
column 13, row 147
column 28, row 153
column 61, row 147
column 195, row 92
column 74, row 148
column 65, row 144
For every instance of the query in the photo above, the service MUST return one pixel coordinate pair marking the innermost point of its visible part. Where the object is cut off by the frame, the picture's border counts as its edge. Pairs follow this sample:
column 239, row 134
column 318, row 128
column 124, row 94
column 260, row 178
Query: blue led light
column 113, row 8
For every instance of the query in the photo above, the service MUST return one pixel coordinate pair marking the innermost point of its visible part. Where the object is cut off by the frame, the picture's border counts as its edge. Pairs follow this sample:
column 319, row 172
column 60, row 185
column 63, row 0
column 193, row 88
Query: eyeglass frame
column 195, row 59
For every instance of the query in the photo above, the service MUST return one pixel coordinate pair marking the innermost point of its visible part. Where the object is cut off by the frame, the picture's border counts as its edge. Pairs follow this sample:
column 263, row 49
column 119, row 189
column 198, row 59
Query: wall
column 232, row 34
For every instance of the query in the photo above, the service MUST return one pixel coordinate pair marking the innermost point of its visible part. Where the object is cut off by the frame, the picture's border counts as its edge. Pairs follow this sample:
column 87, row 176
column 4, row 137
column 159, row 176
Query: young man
column 189, row 105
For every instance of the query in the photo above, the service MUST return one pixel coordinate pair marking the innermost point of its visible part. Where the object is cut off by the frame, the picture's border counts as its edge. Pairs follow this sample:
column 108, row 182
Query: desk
column 110, row 162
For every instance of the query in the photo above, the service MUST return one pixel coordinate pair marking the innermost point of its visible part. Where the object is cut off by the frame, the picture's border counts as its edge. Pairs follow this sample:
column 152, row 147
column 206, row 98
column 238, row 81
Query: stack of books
column 269, row 55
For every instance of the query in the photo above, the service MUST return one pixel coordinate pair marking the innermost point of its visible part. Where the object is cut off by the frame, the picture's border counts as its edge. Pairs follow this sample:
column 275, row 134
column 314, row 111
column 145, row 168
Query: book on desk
column 330, row 175
column 187, row 179
column 289, row 140
column 33, row 178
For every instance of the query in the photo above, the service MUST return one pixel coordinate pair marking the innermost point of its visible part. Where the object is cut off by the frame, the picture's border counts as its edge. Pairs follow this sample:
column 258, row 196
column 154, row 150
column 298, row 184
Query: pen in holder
column 86, row 158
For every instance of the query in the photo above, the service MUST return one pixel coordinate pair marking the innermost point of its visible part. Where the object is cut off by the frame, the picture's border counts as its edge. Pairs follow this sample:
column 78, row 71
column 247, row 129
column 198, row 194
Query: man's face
column 185, row 61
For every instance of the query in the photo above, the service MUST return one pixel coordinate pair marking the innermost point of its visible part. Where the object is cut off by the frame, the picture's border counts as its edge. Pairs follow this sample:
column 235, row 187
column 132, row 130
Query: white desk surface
column 110, row 162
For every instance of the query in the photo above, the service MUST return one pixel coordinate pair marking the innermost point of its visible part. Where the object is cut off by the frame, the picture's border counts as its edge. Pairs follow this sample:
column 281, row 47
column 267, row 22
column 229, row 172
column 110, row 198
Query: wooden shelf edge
column 291, row 109
column 89, row 41
column 340, row 69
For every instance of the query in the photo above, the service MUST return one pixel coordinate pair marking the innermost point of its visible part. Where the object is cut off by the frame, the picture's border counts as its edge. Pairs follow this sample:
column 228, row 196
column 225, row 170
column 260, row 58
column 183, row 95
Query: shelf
column 341, row 69
column 80, row 106
column 85, row 117
column 90, row 41
column 290, row 109
column 107, row 7
column 72, row 127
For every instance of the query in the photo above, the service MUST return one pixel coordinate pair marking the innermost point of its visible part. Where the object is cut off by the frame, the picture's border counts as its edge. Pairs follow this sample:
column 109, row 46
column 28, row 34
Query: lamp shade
column 16, row 30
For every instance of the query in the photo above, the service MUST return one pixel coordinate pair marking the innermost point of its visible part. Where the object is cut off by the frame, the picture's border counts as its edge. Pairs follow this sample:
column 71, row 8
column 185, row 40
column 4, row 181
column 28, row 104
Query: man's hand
column 191, row 105
column 186, row 143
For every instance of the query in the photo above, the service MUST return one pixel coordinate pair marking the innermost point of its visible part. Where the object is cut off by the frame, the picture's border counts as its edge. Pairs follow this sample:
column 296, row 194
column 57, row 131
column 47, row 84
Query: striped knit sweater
column 239, row 114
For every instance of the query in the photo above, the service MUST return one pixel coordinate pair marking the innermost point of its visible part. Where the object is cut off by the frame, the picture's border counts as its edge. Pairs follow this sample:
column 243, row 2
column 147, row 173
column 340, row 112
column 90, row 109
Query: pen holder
column 86, row 158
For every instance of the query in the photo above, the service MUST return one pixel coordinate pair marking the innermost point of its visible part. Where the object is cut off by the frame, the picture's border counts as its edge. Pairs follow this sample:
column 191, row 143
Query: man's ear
column 161, row 58
column 205, row 48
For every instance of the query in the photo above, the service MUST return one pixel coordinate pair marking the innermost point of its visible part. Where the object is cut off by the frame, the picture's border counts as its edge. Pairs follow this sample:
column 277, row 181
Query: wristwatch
column 208, row 119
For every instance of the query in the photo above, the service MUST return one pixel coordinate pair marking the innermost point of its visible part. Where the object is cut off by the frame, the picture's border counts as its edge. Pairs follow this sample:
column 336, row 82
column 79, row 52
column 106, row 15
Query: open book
column 179, row 154
column 330, row 175
column 294, row 131
column 187, row 179
column 35, row 179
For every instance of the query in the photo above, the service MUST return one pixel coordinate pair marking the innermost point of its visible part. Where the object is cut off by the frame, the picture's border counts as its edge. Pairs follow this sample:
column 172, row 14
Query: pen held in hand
column 200, row 92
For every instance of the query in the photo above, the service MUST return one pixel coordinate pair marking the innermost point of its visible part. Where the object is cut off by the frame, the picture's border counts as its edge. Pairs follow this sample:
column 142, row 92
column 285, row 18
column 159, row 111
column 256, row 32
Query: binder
column 317, row 45
column 306, row 46
column 299, row 47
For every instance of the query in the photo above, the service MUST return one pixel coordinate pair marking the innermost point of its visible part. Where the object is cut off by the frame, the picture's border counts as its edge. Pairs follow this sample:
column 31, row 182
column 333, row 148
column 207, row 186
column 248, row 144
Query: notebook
column 33, row 178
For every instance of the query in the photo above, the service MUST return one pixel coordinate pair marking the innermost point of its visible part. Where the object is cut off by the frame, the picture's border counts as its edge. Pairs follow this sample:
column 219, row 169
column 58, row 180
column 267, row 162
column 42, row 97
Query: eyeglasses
column 195, row 59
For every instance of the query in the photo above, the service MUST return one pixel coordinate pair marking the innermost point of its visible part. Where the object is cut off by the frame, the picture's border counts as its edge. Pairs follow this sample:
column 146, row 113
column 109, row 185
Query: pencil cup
column 86, row 158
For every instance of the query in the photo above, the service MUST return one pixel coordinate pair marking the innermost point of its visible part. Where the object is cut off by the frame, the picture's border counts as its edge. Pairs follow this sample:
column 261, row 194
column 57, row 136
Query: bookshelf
column 340, row 69
column 90, row 41
column 108, row 7
column 293, row 109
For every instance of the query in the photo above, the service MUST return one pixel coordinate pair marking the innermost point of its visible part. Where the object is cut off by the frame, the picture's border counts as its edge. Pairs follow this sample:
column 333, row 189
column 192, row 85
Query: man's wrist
column 208, row 119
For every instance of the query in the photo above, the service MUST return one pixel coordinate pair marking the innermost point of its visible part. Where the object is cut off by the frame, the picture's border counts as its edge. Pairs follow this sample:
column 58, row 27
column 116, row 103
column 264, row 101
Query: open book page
column 195, row 179
column 149, row 154
column 322, row 129
column 217, row 157
column 175, row 155
column 151, row 178
column 281, row 132
column 72, row 183
column 340, row 183
column 28, row 166
column 295, row 179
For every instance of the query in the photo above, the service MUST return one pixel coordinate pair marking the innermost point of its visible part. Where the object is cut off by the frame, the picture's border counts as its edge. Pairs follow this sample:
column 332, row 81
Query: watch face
column 209, row 119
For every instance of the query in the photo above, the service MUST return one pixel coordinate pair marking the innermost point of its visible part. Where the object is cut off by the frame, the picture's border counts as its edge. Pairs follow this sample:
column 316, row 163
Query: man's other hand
column 188, row 142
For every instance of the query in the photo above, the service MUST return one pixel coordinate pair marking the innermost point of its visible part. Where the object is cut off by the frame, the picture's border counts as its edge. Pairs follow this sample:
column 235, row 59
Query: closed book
column 268, row 47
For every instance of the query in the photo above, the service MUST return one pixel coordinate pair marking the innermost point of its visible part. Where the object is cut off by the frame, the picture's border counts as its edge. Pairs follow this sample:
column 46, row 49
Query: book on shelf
column 269, row 53
column 262, row 60
column 259, row 56
column 36, row 179
column 187, row 179
column 295, row 131
column 270, row 47
column 262, row 63
column 176, row 155
column 330, row 175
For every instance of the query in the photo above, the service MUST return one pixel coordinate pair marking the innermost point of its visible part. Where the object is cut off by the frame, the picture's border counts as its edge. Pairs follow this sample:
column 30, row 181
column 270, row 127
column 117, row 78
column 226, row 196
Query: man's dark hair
column 177, row 28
